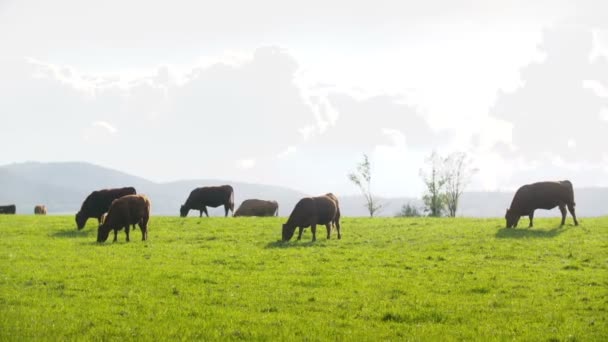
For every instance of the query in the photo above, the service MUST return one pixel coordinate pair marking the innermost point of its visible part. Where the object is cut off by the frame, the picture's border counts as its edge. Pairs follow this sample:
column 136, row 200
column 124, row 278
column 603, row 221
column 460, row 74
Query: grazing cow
column 256, row 207
column 98, row 203
column 541, row 195
column 8, row 209
column 309, row 212
column 125, row 211
column 336, row 222
column 210, row 196
column 40, row 210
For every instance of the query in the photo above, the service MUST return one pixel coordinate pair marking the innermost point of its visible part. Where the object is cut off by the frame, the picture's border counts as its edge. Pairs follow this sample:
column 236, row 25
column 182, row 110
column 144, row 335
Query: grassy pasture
column 230, row 279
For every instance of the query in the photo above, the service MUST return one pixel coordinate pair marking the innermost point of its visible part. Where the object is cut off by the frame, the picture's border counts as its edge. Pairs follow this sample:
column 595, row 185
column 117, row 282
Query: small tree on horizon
column 408, row 210
column 435, row 180
column 362, row 178
column 459, row 172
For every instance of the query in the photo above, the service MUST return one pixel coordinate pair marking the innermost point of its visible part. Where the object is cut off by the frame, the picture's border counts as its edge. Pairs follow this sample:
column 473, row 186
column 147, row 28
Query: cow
column 541, row 195
column 256, row 207
column 125, row 211
column 210, row 196
column 8, row 209
column 98, row 203
column 309, row 212
column 40, row 210
column 336, row 221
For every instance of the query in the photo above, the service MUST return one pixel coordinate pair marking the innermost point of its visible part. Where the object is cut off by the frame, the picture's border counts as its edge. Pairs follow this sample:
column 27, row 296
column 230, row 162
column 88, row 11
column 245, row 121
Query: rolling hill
column 63, row 186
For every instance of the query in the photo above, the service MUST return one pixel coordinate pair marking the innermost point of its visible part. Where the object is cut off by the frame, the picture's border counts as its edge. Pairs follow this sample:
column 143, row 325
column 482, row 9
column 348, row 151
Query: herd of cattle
column 121, row 208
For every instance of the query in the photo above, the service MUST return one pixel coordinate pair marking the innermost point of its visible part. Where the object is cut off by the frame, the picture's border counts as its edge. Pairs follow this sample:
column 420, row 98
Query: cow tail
column 232, row 202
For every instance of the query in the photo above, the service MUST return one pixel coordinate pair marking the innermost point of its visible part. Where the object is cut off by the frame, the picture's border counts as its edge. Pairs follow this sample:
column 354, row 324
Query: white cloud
column 287, row 152
column 246, row 163
column 105, row 125
column 558, row 99
column 604, row 114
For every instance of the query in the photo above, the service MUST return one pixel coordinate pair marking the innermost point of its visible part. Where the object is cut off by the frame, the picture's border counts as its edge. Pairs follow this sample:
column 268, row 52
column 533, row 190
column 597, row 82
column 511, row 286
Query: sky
column 294, row 93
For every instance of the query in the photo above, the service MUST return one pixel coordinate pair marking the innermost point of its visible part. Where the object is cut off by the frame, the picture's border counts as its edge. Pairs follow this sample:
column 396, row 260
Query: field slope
column 229, row 279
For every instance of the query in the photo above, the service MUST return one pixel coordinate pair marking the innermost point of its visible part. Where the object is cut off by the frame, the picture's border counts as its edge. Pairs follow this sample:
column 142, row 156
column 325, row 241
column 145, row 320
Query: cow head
column 102, row 233
column 288, row 232
column 183, row 211
column 512, row 218
column 81, row 220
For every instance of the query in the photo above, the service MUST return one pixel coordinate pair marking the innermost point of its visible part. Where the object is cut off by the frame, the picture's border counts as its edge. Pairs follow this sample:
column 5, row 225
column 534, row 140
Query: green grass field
column 230, row 279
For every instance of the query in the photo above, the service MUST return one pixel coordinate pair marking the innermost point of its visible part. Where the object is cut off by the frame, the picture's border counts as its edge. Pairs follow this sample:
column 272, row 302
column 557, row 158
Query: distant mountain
column 63, row 186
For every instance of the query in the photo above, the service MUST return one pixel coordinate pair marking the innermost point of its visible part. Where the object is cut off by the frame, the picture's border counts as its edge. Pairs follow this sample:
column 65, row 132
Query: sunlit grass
column 229, row 278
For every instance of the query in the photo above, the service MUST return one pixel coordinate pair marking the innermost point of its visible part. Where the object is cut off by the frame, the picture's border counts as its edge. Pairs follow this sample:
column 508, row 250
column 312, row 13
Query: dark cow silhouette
column 210, row 196
column 8, row 209
column 98, row 203
column 125, row 211
column 40, row 210
column 256, row 207
column 311, row 211
column 541, row 195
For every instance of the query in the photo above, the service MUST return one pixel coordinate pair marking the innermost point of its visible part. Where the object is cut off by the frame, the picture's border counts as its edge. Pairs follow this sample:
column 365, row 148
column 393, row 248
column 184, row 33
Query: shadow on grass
column 290, row 244
column 515, row 233
column 71, row 233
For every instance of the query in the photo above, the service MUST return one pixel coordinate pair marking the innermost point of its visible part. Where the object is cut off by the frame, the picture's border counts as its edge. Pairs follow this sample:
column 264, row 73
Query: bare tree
column 435, row 180
column 458, row 174
column 363, row 178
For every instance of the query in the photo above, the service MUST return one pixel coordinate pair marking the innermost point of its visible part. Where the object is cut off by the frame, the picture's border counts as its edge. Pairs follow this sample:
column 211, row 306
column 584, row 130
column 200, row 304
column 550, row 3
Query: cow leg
column 531, row 216
column 328, row 226
column 562, row 208
column 143, row 226
column 206, row 212
column 127, row 227
column 144, row 230
column 337, row 223
column 200, row 213
column 300, row 232
column 571, row 209
column 115, row 235
column 313, row 229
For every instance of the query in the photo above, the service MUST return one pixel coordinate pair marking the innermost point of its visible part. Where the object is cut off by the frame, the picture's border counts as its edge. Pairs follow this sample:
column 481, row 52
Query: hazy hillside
column 63, row 186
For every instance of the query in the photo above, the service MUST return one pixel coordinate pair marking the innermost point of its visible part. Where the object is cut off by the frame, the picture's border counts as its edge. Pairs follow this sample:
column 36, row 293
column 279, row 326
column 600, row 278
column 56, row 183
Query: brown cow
column 125, row 211
column 40, row 210
column 541, row 195
column 309, row 212
column 210, row 196
column 256, row 207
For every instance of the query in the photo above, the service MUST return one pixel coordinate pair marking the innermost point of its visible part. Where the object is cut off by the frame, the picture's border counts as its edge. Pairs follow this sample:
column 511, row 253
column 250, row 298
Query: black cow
column 98, row 203
column 8, row 209
column 210, row 196
column 541, row 195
